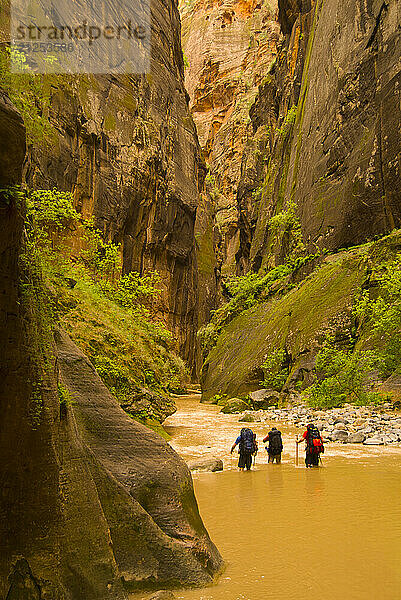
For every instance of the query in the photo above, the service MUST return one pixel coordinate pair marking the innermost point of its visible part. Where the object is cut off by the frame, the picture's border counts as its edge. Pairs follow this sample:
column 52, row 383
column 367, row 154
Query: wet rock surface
column 206, row 464
column 235, row 405
column 147, row 402
column 262, row 399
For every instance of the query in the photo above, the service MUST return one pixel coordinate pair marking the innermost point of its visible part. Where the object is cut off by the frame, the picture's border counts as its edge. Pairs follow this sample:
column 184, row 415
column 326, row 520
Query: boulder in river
column 339, row 435
column 374, row 441
column 163, row 595
column 356, row 438
column 235, row 405
column 249, row 417
column 264, row 399
column 206, row 464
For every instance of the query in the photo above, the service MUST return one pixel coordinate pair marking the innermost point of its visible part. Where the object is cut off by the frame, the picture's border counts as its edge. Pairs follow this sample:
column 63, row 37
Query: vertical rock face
column 89, row 499
column 334, row 103
column 324, row 158
column 127, row 149
column 323, row 125
column 229, row 47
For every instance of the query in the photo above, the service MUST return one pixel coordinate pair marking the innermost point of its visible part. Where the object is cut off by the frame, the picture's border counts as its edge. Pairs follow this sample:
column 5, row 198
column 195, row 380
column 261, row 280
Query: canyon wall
column 332, row 106
column 229, row 47
column 126, row 147
column 92, row 504
column 320, row 172
column 306, row 119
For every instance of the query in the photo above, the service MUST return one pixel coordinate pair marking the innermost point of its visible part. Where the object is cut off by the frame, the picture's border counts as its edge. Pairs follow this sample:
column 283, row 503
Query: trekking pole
column 296, row 451
column 320, row 458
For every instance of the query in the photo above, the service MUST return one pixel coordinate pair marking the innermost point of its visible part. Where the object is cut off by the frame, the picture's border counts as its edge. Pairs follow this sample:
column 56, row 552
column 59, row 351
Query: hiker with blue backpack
column 248, row 447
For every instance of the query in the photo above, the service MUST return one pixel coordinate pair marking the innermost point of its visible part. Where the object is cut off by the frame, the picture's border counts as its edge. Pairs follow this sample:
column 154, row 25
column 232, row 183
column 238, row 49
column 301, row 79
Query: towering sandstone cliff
column 332, row 105
column 92, row 504
column 229, row 47
column 127, row 149
column 323, row 159
column 320, row 131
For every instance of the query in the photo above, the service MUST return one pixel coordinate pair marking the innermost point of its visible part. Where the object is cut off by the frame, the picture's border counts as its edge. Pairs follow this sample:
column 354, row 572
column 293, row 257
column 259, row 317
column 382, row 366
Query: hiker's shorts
column 245, row 460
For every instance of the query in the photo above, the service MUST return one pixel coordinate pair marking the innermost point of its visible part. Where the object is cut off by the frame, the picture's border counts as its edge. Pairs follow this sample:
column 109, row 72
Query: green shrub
column 382, row 315
column 287, row 222
column 133, row 289
column 51, row 211
column 29, row 93
column 288, row 122
column 208, row 336
column 341, row 376
column 275, row 371
column 101, row 257
column 64, row 397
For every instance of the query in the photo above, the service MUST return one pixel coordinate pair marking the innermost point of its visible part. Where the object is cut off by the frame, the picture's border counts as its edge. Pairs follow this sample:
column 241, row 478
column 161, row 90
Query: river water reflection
column 289, row 532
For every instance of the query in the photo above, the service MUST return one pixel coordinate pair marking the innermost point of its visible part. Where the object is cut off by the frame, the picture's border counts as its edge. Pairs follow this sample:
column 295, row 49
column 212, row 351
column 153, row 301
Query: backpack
column 315, row 441
column 247, row 443
column 275, row 442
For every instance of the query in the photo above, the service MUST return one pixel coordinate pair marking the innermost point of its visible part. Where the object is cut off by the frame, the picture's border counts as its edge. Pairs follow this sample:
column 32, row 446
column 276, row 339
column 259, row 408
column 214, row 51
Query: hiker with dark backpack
column 247, row 448
column 275, row 447
column 314, row 446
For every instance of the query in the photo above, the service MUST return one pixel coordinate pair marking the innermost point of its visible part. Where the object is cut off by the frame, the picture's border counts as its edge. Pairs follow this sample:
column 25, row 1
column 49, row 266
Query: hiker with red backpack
column 314, row 446
column 248, row 447
column 275, row 447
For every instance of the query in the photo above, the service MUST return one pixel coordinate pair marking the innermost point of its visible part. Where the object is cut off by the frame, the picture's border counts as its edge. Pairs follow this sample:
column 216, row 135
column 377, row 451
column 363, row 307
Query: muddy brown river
column 332, row 533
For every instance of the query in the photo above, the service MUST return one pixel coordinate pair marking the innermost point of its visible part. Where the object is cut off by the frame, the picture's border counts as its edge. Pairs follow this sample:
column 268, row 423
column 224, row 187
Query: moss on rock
column 295, row 321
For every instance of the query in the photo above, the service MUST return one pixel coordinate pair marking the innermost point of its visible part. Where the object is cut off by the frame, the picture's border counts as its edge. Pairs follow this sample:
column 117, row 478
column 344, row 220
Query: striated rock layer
column 229, row 47
column 126, row 147
column 92, row 504
column 324, row 158
column 332, row 106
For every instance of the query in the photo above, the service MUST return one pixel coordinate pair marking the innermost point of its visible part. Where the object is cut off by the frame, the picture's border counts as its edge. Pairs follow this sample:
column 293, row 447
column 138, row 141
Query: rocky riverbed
column 350, row 424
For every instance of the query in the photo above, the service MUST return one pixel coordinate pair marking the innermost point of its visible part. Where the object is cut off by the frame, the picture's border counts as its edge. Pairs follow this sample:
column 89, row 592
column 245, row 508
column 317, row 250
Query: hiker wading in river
column 314, row 445
column 247, row 448
column 275, row 447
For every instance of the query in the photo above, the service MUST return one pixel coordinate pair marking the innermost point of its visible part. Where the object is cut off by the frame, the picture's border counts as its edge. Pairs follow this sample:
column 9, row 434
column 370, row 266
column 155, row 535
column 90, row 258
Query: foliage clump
column 380, row 313
column 287, row 223
column 245, row 292
column 29, row 93
column 106, row 313
column 342, row 376
column 275, row 370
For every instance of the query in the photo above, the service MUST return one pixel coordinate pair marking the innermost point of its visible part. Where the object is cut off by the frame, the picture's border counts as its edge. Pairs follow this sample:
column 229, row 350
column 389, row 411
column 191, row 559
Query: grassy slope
column 297, row 320
column 126, row 350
